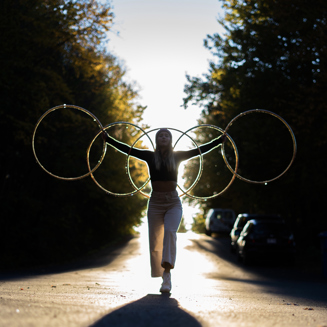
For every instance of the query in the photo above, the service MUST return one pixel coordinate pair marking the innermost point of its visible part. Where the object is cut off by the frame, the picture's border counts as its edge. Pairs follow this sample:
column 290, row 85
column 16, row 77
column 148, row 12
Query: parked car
column 263, row 239
column 219, row 221
column 240, row 222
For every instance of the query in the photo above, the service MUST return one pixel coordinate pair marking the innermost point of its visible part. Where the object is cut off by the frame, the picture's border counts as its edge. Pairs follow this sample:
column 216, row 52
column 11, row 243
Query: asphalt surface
column 210, row 288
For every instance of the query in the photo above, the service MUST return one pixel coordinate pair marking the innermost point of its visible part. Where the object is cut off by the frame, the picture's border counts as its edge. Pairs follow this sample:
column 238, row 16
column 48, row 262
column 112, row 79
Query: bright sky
column 159, row 42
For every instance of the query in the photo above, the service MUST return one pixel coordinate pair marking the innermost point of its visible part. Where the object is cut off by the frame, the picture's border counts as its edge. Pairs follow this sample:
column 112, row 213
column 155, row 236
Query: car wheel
column 247, row 260
column 239, row 257
column 208, row 232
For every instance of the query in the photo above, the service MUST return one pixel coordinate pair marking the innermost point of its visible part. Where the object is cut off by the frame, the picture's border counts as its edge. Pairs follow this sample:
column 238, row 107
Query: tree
column 273, row 57
column 52, row 52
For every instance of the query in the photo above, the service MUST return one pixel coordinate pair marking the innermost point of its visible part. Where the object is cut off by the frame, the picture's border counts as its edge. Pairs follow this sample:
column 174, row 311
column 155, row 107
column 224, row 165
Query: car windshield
column 228, row 215
column 218, row 215
column 243, row 220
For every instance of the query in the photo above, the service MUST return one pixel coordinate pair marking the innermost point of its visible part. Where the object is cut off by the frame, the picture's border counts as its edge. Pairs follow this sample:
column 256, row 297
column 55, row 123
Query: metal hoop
column 223, row 154
column 64, row 106
column 183, row 133
column 289, row 129
column 184, row 192
column 136, row 189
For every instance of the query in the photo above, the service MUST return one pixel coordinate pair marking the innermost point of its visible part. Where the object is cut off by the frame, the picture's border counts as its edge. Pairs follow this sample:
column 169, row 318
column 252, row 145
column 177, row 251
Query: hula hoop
column 136, row 189
column 176, row 130
column 184, row 192
column 64, row 106
column 205, row 198
column 287, row 126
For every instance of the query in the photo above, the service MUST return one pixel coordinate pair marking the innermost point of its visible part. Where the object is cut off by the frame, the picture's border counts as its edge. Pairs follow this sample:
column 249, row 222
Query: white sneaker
column 166, row 283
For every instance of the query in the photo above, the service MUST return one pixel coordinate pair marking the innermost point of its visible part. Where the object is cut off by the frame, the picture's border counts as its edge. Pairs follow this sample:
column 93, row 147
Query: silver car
column 219, row 221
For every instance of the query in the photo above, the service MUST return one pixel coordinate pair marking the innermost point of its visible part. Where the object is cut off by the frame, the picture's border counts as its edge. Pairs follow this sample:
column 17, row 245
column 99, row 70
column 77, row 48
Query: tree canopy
column 53, row 52
column 272, row 56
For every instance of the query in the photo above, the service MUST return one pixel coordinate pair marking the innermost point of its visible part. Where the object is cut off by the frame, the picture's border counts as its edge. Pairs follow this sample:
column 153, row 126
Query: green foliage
column 198, row 225
column 52, row 53
column 272, row 56
column 182, row 227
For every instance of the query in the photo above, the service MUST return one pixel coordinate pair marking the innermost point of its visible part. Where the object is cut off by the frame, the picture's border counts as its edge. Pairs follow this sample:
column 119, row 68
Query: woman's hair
column 169, row 160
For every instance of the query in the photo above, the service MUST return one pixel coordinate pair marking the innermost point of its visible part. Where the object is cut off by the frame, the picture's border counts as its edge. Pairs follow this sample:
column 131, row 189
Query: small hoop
column 136, row 189
column 223, row 154
column 64, row 106
column 290, row 131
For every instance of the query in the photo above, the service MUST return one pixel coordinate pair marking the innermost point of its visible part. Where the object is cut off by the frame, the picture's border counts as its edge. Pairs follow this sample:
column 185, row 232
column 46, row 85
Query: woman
column 164, row 207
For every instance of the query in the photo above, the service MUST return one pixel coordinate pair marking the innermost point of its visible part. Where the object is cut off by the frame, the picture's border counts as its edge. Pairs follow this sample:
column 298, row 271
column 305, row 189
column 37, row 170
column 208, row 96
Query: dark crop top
column 148, row 156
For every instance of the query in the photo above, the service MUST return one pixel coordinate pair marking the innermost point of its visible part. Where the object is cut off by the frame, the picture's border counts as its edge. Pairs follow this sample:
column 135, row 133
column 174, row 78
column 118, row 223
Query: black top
column 148, row 156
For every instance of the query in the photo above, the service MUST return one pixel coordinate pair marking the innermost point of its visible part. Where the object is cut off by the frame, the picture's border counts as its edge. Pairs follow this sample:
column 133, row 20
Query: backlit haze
column 159, row 42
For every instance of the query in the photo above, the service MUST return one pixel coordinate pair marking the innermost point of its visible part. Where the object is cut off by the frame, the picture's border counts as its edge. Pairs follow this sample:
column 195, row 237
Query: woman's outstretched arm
column 125, row 148
column 205, row 148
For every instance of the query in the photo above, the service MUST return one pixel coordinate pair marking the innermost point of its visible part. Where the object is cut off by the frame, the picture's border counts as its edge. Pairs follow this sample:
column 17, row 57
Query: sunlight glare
column 160, row 42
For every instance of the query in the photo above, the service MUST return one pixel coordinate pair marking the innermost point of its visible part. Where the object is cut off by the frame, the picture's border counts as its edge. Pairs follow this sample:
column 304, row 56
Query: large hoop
column 287, row 126
column 136, row 189
column 64, row 106
column 223, row 154
column 139, row 189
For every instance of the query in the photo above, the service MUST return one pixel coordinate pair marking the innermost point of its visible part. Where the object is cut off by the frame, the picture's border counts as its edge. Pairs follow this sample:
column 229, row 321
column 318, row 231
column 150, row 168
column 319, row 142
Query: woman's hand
column 105, row 136
column 223, row 138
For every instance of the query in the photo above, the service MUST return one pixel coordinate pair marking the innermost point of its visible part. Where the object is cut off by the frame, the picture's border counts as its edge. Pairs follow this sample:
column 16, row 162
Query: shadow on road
column 152, row 310
column 98, row 259
column 220, row 246
column 275, row 277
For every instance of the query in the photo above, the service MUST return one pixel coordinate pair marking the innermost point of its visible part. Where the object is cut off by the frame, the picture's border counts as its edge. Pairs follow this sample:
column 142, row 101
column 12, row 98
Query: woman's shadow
column 152, row 310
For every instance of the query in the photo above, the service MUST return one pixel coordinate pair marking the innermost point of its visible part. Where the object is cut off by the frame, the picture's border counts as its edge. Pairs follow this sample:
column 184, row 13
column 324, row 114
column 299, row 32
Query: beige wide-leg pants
column 164, row 216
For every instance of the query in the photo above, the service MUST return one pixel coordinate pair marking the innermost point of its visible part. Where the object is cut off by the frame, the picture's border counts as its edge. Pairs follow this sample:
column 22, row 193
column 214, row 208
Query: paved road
column 210, row 288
